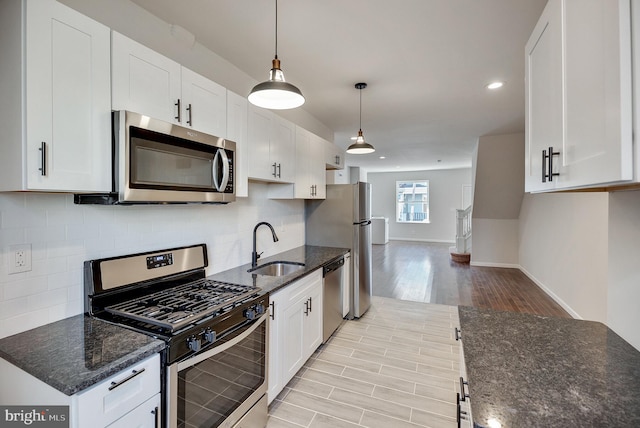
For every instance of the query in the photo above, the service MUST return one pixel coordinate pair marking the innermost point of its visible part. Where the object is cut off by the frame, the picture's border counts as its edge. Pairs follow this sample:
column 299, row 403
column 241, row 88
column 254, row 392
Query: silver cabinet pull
column 133, row 374
column 43, row 158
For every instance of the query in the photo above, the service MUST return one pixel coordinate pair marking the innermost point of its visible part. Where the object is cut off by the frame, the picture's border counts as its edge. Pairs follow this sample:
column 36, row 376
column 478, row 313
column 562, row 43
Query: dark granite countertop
column 532, row 371
column 78, row 352
column 313, row 257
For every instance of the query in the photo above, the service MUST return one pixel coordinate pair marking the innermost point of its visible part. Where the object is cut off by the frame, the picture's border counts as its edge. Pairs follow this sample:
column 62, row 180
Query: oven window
column 211, row 390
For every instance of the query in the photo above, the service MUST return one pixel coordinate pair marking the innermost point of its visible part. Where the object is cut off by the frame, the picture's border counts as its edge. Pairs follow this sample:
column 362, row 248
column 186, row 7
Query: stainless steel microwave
column 160, row 162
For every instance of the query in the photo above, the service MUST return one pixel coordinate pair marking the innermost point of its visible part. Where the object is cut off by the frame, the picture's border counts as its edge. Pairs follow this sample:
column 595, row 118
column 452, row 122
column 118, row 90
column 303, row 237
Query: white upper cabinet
column 310, row 179
column 271, row 146
column 578, row 87
column 204, row 104
column 61, row 82
column 144, row 81
column 151, row 84
column 237, row 132
column 333, row 156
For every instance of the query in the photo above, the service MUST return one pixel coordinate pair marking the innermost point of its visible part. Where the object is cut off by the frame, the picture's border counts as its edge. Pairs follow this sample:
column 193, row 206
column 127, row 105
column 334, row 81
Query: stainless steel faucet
column 254, row 255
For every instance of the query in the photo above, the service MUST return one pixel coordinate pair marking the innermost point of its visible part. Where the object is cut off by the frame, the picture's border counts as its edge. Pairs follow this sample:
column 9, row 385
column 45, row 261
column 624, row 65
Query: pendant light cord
column 360, row 108
column 276, row 29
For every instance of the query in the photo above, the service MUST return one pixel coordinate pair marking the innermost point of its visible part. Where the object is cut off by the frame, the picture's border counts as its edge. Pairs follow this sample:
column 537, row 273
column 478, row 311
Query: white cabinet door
column 312, row 336
column 597, row 89
column 543, row 105
column 303, row 187
column 237, row 132
column 260, row 123
column 333, row 156
column 276, row 330
column 317, row 167
column 578, row 88
column 271, row 147
column 68, row 120
column 282, row 149
column 296, row 330
column 204, row 104
column 146, row 415
column 145, row 82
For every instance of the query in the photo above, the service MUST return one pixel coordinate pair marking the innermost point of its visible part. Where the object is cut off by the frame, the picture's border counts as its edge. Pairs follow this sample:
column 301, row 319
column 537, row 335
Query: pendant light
column 360, row 147
column 275, row 93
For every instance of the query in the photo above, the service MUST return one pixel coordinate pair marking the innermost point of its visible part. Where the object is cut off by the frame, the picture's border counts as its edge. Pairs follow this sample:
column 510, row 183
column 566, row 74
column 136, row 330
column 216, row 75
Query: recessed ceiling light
column 383, row 157
column 495, row 85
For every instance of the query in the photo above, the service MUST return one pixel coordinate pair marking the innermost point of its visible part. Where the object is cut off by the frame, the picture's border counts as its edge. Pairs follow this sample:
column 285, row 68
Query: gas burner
column 185, row 304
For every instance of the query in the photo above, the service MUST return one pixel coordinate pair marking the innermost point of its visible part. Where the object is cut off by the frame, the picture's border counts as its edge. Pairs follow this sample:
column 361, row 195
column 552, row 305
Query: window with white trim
column 412, row 201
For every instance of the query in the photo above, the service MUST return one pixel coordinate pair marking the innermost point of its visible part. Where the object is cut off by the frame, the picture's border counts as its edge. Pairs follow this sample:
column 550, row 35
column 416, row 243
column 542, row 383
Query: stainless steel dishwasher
column 332, row 297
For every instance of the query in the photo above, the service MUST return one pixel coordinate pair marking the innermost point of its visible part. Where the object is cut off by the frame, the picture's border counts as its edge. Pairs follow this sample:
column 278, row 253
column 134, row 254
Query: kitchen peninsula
column 529, row 370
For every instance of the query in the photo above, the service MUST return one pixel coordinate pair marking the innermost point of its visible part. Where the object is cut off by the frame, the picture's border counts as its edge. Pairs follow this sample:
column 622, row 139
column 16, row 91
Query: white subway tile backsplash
column 64, row 235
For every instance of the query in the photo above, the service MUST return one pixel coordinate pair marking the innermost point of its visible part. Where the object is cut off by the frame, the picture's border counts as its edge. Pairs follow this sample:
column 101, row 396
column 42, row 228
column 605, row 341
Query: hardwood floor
column 424, row 272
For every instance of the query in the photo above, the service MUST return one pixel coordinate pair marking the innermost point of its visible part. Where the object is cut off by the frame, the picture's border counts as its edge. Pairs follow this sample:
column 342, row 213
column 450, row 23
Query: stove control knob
column 194, row 344
column 209, row 335
column 250, row 313
column 259, row 309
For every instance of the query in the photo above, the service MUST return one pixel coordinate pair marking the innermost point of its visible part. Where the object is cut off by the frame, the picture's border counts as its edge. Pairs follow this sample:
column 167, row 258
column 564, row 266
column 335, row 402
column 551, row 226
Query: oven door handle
column 195, row 359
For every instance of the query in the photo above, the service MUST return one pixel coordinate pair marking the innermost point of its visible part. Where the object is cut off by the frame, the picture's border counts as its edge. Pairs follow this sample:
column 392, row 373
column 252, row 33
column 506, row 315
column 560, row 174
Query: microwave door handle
column 221, row 157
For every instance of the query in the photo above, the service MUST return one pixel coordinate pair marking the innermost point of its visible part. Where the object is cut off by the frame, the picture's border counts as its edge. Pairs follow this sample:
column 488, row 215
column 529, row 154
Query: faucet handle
column 258, row 255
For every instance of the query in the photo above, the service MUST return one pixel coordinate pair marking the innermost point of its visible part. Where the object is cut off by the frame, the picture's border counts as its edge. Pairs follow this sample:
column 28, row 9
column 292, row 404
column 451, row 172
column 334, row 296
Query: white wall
column 494, row 243
column 564, row 249
column 623, row 315
column 445, row 187
column 64, row 235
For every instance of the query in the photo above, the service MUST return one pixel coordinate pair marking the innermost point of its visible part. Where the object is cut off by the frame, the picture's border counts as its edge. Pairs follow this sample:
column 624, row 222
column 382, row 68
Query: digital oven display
column 159, row 260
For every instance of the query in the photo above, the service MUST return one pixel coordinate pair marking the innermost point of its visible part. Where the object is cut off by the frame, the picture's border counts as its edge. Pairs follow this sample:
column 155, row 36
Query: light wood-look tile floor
column 397, row 366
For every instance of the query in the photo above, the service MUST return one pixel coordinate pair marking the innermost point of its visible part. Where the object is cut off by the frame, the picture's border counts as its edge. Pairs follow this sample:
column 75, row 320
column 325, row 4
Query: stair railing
column 463, row 230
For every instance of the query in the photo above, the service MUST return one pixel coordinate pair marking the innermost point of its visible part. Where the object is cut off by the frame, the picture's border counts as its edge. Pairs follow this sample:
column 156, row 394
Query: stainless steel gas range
column 214, row 365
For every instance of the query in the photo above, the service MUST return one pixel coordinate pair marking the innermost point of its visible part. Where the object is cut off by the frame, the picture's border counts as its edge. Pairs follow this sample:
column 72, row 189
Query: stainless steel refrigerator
column 343, row 219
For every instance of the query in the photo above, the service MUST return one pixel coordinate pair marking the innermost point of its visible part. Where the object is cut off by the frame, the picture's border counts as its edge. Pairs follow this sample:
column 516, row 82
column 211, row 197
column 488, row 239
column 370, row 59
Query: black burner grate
column 184, row 304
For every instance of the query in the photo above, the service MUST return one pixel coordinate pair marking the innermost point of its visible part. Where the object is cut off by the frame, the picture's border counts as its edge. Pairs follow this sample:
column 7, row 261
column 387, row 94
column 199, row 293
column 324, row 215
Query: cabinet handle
column 458, row 334
column 43, row 158
column 133, row 374
column 279, row 170
column 544, row 166
column 463, row 394
column 551, row 155
column 306, row 308
column 156, row 413
column 273, row 310
column 177, row 104
column 310, row 304
column 274, row 173
column 459, row 412
column 337, row 159
column 190, row 120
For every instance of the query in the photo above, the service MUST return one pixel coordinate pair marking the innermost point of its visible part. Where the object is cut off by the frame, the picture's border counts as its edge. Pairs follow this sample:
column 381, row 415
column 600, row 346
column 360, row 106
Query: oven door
column 220, row 385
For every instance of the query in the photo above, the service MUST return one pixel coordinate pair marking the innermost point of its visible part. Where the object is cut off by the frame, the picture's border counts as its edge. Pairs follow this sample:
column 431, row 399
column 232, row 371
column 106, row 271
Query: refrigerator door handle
column 363, row 223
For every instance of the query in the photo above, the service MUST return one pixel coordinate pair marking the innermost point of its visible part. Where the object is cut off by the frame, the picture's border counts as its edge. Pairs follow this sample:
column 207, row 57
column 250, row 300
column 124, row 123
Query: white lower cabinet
column 130, row 398
column 463, row 410
column 295, row 329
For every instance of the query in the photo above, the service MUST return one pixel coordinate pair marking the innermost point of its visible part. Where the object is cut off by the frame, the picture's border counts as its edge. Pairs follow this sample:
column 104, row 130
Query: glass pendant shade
column 276, row 93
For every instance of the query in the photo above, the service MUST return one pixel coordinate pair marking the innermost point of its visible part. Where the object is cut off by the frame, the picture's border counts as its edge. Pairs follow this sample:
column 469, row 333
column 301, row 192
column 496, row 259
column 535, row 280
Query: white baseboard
column 497, row 265
column 437, row 241
column 551, row 294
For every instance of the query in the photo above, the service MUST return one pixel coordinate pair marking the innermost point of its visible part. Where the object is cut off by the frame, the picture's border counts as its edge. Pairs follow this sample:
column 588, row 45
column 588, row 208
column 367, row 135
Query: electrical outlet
column 19, row 258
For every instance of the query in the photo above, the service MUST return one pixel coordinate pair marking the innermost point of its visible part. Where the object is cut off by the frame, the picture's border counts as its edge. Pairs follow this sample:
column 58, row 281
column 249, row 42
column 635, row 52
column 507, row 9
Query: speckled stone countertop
column 78, row 352
column 533, row 371
column 313, row 257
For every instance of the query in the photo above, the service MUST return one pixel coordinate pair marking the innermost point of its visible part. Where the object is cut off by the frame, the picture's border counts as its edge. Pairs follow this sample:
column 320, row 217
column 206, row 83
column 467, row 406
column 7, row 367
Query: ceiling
column 426, row 63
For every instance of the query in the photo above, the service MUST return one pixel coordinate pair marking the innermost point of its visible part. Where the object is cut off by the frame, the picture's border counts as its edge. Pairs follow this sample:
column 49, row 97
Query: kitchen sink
column 277, row 268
